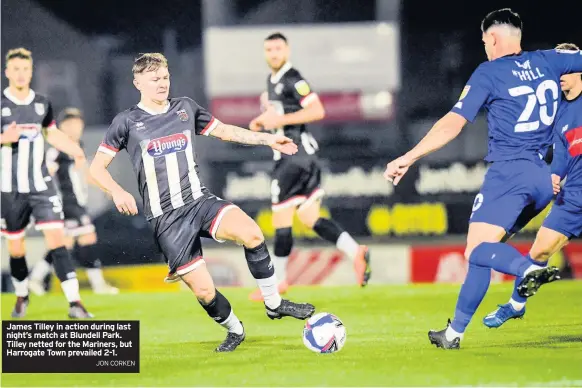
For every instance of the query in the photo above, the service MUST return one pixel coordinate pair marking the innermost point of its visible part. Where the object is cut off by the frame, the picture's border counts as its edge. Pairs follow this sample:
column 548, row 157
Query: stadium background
column 385, row 70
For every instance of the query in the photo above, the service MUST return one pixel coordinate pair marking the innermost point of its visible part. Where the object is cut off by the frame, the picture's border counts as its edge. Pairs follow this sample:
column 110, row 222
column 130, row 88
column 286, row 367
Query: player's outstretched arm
column 240, row 135
column 99, row 175
column 63, row 143
column 442, row 132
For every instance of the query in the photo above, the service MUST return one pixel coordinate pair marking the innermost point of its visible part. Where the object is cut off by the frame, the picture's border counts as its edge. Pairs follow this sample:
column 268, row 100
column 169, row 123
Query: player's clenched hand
column 270, row 119
column 11, row 134
column 396, row 169
column 556, row 183
column 282, row 144
column 256, row 125
column 124, row 202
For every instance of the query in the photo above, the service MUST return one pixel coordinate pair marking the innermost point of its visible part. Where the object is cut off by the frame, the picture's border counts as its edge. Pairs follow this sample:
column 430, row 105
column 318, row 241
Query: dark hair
column 20, row 52
column 503, row 16
column 275, row 36
column 69, row 113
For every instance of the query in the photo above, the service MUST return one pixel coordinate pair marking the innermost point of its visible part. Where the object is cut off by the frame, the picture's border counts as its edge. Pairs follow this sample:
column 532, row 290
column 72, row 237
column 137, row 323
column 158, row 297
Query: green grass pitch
column 386, row 345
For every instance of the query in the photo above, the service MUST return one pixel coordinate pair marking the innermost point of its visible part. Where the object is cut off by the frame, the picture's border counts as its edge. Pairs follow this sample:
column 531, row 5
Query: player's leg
column 80, row 226
column 496, row 210
column 47, row 211
column 231, row 223
column 562, row 223
column 176, row 234
column 547, row 243
column 15, row 212
column 328, row 229
column 216, row 306
column 283, row 244
column 42, row 269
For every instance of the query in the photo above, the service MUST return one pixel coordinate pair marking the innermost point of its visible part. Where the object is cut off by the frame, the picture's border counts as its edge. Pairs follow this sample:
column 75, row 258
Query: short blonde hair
column 19, row 52
column 149, row 62
column 567, row 46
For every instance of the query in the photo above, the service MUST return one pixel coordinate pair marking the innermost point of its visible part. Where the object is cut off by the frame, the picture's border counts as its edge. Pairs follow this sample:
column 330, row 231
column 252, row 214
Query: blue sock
column 501, row 257
column 472, row 293
column 515, row 296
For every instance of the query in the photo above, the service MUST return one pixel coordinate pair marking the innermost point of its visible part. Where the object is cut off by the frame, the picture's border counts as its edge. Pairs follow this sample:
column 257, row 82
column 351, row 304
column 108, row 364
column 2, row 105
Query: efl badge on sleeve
column 182, row 115
column 465, row 92
column 39, row 108
column 302, row 88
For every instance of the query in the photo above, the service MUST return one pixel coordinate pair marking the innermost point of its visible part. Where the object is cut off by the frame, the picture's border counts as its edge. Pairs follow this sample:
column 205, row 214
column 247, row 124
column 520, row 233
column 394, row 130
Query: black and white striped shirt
column 161, row 148
column 23, row 163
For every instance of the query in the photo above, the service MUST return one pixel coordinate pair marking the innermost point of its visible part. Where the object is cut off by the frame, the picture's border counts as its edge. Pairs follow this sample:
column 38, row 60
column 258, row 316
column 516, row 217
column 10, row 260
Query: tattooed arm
column 240, row 135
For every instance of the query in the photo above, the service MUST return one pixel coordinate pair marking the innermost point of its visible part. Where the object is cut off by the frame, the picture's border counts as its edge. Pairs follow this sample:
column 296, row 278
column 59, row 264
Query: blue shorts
column 566, row 214
column 513, row 193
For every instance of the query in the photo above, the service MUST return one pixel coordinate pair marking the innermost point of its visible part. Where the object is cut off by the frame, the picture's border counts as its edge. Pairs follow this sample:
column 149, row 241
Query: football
column 324, row 333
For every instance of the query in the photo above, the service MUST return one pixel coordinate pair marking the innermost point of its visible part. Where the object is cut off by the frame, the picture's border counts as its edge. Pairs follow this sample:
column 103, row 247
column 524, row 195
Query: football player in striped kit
column 158, row 134
column 27, row 188
column 73, row 188
column 289, row 105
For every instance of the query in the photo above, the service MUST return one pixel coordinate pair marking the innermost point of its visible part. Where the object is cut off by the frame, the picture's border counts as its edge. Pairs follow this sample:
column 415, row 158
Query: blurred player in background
column 73, row 188
column 565, row 218
column 158, row 134
column 27, row 188
column 289, row 104
column 520, row 92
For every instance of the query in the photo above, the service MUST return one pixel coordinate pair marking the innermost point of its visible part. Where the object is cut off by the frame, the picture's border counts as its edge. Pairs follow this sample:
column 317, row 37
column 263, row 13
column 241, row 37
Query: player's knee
column 283, row 242
column 54, row 238
column 252, row 236
column 307, row 216
column 87, row 239
column 16, row 248
column 205, row 293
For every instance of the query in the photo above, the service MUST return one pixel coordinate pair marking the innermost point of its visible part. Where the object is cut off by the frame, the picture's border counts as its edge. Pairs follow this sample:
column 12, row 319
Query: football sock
column 503, row 258
column 329, row 230
column 261, row 267
column 283, row 246
column 220, row 310
column 472, row 293
column 66, row 273
column 19, row 273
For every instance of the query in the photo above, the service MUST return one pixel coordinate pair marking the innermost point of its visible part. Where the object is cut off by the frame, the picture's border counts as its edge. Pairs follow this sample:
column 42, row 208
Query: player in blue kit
column 565, row 218
column 520, row 92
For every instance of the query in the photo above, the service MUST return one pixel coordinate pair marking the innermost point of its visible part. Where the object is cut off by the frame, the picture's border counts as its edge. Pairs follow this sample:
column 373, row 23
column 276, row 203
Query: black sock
column 328, row 229
column 283, row 242
column 259, row 261
column 218, row 309
column 48, row 258
column 63, row 264
column 18, row 268
column 87, row 255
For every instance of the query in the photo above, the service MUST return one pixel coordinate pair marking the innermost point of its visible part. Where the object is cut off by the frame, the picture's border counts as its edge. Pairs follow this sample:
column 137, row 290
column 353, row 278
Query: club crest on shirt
column 39, row 108
column 302, row 88
column 167, row 145
column 182, row 114
column 278, row 88
column 6, row 112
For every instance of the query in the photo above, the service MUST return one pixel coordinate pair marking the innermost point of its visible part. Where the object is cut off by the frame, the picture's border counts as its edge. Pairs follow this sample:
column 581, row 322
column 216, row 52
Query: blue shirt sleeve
column 474, row 95
column 564, row 61
column 560, row 160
